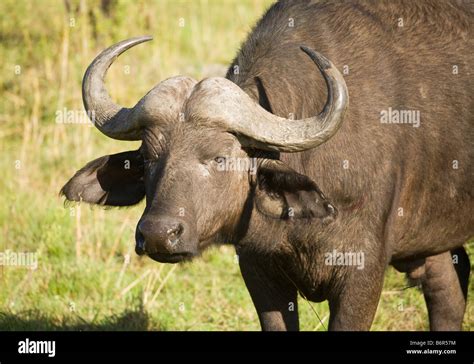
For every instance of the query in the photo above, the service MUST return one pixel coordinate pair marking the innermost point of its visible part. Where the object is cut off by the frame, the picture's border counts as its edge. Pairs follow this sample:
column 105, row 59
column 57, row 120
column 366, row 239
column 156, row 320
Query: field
column 88, row 276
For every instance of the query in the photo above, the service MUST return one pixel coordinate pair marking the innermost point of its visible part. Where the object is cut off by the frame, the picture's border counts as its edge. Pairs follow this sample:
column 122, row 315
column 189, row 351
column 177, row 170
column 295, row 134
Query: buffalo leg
column 353, row 309
column 445, row 289
column 462, row 265
column 274, row 297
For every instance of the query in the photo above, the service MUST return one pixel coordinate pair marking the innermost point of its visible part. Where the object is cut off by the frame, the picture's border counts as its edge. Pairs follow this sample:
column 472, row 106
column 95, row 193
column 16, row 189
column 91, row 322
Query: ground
column 88, row 276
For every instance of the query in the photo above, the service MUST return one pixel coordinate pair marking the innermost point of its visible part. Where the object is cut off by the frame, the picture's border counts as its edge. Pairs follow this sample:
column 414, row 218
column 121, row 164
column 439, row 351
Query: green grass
column 82, row 281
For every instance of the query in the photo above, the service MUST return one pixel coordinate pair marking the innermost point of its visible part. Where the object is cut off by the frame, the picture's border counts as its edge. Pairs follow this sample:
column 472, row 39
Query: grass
column 88, row 277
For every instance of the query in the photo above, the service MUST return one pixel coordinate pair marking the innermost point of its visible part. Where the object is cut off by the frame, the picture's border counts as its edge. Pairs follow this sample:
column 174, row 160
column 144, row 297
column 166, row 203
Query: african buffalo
column 316, row 202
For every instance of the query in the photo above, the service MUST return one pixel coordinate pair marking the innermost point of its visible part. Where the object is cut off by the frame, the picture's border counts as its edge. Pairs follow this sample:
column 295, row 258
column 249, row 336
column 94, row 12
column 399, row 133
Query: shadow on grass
column 129, row 320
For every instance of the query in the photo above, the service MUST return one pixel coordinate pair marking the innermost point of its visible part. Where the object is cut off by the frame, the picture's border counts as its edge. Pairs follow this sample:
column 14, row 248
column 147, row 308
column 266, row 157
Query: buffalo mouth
column 171, row 258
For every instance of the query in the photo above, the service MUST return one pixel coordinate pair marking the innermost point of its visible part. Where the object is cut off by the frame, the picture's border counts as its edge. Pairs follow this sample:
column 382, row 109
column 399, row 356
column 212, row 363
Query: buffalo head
column 208, row 160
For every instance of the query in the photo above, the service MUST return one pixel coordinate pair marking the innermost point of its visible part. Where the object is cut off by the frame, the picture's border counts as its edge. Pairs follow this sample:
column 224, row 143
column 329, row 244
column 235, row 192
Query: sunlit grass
column 84, row 280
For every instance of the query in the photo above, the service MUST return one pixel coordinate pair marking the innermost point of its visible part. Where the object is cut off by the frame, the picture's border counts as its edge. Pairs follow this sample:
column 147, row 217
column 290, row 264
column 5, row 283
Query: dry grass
column 88, row 277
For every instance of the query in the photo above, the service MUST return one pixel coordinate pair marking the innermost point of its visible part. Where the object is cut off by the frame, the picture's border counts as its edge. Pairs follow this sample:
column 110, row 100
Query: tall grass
column 88, row 277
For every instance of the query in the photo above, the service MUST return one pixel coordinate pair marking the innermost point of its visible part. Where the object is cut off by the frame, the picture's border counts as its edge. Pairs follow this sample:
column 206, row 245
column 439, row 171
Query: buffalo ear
column 112, row 180
column 283, row 193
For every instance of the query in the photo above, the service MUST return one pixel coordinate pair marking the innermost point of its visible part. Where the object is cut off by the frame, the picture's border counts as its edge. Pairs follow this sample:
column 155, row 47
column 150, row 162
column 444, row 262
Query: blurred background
column 88, row 276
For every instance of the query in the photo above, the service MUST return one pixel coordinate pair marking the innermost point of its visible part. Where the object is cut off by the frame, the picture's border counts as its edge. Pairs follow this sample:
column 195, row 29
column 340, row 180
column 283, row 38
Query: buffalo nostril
column 159, row 235
column 174, row 234
column 141, row 242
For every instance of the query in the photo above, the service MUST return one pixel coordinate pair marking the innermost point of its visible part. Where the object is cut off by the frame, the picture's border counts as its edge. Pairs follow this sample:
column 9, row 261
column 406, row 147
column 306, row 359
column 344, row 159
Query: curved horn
column 111, row 119
column 224, row 104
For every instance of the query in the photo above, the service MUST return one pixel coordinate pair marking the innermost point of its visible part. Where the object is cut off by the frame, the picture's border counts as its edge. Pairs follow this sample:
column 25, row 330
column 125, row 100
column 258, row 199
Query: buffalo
column 319, row 195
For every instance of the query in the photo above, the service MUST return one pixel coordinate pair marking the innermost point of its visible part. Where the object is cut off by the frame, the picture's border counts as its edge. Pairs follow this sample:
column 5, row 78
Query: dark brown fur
column 390, row 166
